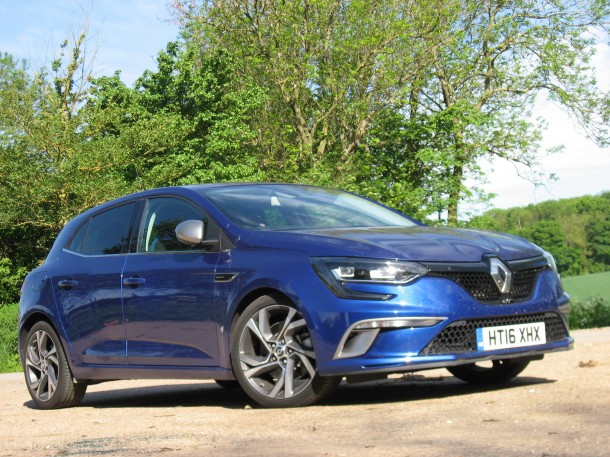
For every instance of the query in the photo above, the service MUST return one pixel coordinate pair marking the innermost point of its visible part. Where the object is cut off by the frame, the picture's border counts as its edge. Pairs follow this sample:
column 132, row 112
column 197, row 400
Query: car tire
column 500, row 371
column 47, row 374
column 273, row 356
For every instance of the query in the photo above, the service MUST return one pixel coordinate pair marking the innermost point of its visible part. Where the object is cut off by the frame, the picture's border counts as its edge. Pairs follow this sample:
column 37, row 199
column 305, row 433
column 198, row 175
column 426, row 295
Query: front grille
column 482, row 287
column 460, row 336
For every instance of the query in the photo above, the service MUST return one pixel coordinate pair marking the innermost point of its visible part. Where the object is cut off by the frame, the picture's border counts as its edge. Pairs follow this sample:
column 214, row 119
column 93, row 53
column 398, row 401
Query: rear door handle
column 133, row 282
column 67, row 283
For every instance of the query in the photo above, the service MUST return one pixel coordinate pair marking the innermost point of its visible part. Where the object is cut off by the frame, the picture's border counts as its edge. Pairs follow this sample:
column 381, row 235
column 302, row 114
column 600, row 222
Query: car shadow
column 413, row 387
column 183, row 395
column 408, row 388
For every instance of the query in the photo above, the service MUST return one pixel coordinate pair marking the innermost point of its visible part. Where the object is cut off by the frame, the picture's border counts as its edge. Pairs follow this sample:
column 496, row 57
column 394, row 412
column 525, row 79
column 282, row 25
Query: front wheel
column 273, row 356
column 46, row 370
column 498, row 372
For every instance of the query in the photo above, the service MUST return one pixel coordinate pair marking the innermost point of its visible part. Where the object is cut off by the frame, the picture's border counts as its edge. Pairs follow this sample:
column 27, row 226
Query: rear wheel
column 273, row 357
column 46, row 370
column 494, row 372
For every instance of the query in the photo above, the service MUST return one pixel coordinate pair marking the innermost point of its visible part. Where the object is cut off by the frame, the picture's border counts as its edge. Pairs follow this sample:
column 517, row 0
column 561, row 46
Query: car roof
column 190, row 190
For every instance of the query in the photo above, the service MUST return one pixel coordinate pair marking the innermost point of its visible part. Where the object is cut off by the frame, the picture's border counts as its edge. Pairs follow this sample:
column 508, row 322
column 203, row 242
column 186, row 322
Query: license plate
column 510, row 336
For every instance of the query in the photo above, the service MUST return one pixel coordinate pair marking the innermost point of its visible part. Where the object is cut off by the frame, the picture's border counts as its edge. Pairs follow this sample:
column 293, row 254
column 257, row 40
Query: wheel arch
column 233, row 314
column 254, row 295
column 31, row 320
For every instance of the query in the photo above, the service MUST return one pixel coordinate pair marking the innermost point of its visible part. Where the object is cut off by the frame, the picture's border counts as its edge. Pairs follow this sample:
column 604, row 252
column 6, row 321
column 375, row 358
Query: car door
column 168, row 291
column 86, row 281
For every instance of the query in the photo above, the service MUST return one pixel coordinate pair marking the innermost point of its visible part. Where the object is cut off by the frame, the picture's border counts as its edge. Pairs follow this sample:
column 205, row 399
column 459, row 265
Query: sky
column 127, row 34
column 582, row 168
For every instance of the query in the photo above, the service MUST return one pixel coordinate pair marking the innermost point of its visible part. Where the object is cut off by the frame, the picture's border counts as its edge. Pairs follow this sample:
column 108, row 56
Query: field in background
column 583, row 287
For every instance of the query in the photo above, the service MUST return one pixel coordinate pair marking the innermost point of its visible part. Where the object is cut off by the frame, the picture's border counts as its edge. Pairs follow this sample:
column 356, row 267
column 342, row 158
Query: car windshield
column 282, row 207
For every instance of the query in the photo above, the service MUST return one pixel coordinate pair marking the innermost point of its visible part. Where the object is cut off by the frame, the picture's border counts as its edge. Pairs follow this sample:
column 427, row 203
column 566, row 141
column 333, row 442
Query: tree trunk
column 457, row 175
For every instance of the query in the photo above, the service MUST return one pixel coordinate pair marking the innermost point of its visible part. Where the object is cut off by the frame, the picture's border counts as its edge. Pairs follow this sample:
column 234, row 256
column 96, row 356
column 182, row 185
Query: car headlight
column 337, row 272
column 550, row 260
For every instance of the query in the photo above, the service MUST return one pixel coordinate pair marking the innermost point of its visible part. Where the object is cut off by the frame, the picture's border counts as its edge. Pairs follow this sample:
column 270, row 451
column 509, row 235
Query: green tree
column 576, row 231
column 69, row 142
column 598, row 231
column 462, row 75
column 548, row 235
column 50, row 170
column 330, row 68
column 497, row 57
column 182, row 123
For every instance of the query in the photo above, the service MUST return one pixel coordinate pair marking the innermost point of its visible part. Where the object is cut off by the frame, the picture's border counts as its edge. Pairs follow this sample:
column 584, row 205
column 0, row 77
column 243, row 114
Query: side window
column 108, row 232
column 76, row 244
column 159, row 221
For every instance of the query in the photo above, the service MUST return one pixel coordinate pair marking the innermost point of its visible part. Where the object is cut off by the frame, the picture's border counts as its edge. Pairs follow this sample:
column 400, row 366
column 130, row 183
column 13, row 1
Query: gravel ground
column 559, row 406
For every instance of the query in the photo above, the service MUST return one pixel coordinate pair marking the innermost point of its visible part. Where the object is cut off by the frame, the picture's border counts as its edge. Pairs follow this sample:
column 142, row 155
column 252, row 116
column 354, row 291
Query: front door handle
column 67, row 283
column 133, row 282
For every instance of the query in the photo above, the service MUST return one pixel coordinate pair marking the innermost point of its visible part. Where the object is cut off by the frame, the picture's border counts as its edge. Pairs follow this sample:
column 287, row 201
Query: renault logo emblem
column 501, row 275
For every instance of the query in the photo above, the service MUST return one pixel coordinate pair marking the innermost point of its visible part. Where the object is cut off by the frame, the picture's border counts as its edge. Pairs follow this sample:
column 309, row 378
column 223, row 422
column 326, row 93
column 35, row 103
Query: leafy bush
column 9, row 357
column 591, row 313
column 11, row 278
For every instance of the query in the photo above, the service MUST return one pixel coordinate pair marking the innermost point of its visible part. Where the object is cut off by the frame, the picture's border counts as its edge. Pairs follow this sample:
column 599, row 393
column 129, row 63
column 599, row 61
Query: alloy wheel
column 42, row 365
column 275, row 352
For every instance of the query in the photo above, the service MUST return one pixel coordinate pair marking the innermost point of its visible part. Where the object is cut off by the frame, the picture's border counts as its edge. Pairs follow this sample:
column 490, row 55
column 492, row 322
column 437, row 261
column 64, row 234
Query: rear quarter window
column 76, row 243
column 105, row 233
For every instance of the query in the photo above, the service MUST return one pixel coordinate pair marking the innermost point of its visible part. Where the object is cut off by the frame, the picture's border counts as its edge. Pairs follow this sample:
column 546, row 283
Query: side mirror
column 192, row 233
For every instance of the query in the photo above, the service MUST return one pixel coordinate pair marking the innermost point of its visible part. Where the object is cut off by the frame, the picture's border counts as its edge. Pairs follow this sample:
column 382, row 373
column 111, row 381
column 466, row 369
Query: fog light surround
column 359, row 337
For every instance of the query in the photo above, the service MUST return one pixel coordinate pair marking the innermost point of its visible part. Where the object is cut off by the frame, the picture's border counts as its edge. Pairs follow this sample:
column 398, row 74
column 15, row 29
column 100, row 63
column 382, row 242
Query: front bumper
column 432, row 324
column 404, row 363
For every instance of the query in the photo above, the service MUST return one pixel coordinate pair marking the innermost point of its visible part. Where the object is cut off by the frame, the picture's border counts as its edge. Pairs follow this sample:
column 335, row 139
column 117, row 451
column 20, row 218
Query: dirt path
column 558, row 407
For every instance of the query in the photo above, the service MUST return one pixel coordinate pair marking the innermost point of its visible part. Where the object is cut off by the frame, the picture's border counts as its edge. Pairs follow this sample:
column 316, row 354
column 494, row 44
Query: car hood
column 420, row 243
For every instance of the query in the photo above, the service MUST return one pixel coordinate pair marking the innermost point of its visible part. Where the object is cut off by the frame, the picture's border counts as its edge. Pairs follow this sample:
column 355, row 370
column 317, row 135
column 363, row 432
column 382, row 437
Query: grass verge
column 9, row 358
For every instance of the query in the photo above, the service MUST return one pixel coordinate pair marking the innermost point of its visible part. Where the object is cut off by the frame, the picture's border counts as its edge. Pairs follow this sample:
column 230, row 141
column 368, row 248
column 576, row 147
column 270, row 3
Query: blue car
column 282, row 290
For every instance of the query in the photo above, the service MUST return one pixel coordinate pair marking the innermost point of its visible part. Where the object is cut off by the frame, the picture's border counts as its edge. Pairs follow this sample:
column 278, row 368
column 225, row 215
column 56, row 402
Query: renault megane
column 283, row 290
